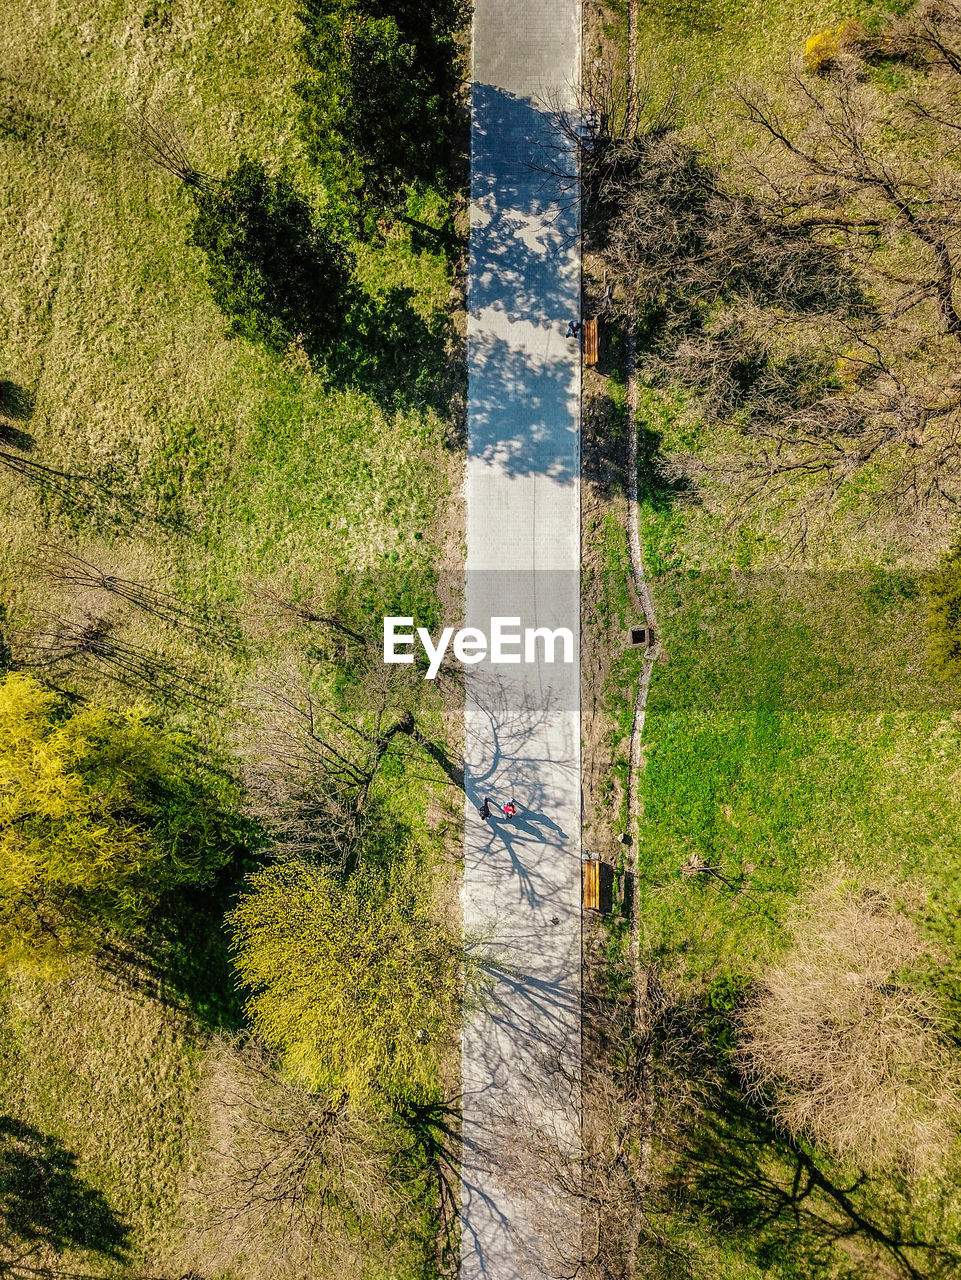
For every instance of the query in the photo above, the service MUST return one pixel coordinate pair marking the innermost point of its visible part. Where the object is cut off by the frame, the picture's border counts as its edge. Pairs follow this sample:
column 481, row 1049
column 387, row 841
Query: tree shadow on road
column 523, row 410
column 509, row 723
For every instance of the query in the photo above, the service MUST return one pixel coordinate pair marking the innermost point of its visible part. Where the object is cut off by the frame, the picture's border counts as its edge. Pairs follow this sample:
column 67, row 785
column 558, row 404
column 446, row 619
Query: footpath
column 521, row 893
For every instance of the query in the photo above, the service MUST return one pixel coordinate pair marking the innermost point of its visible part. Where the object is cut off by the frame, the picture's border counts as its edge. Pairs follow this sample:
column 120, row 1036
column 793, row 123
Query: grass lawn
column 794, row 728
column 98, row 1130
column 215, row 462
column 708, row 47
column 794, row 725
column 792, row 733
column 795, row 719
column 136, row 433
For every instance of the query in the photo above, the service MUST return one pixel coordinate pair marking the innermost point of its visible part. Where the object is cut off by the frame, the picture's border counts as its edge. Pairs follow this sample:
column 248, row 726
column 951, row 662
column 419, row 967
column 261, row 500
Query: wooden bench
column 592, row 886
column 590, row 341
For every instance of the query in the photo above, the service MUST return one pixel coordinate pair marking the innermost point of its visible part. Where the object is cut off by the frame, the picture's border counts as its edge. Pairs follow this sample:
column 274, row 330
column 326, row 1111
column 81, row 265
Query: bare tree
column 845, row 1046
column 57, row 646
column 69, row 570
column 294, row 1177
column 806, row 301
column 871, row 176
column 312, row 765
column 158, row 141
column 589, row 1205
column 313, row 759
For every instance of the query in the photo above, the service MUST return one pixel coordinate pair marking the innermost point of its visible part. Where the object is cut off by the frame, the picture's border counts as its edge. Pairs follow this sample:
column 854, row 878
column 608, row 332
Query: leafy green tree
column 353, row 979
column 276, row 273
column 98, row 819
column 378, row 95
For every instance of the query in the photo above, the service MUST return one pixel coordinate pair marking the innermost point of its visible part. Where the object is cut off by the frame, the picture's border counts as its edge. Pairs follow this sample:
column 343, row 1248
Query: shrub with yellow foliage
column 823, row 50
column 98, row 818
column 354, row 980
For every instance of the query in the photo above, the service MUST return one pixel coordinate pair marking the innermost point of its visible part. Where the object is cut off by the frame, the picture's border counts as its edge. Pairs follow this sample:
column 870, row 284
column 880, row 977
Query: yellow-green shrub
column 944, row 616
column 99, row 817
column 822, row 51
column 353, row 979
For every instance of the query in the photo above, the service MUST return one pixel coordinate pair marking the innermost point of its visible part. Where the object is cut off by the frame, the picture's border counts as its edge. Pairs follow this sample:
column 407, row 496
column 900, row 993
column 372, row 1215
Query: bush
column 99, row 818
column 944, row 616
column 352, row 979
column 275, row 273
column 822, row 51
column 846, row 1048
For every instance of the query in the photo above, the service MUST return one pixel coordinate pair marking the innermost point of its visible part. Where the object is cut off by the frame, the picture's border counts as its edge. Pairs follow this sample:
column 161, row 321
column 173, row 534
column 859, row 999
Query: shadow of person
column 518, row 847
column 537, row 825
column 43, row 1201
column 505, row 722
column 521, row 837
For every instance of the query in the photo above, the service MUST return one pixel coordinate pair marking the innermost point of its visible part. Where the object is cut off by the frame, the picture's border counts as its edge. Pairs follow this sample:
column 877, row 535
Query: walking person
column 485, row 809
column 510, row 808
column 573, row 329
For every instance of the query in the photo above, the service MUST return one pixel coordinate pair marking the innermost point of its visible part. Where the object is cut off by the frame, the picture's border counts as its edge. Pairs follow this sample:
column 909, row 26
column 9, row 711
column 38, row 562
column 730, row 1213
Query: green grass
column 794, row 726
column 204, row 467
column 795, row 720
column 710, row 46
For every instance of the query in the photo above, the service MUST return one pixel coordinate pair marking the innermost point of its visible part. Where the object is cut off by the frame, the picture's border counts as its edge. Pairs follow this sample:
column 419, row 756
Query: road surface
column 521, row 894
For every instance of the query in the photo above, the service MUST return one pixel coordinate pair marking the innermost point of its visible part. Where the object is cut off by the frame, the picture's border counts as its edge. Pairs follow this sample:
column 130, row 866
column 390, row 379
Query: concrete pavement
column 521, row 1052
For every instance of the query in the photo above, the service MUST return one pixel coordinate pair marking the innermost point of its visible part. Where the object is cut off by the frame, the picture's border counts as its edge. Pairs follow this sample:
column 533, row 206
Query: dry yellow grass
column 290, row 1183
column 107, row 1079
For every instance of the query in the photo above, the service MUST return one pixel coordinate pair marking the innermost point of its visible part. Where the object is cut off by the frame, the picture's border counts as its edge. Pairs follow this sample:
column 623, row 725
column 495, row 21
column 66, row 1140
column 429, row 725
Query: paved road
column 521, row 1053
